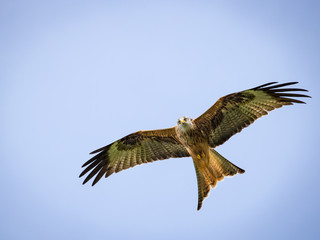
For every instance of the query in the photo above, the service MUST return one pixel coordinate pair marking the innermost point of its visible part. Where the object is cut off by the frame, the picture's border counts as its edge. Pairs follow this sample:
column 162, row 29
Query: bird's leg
column 201, row 155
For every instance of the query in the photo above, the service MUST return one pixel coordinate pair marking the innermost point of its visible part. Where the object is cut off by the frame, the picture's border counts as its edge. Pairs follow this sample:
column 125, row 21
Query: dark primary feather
column 231, row 113
column 134, row 149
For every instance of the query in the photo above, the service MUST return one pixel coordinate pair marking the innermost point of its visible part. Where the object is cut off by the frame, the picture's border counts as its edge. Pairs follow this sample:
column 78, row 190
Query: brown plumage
column 195, row 138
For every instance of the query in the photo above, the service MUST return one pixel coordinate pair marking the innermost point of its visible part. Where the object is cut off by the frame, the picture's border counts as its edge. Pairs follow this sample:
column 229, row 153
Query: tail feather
column 203, row 185
column 225, row 167
column 209, row 174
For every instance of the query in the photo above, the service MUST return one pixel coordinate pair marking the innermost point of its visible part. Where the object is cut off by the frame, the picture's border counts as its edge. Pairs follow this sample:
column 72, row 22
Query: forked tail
column 209, row 173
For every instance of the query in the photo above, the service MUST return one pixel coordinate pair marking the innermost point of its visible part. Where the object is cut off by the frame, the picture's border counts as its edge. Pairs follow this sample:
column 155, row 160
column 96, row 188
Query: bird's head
column 185, row 123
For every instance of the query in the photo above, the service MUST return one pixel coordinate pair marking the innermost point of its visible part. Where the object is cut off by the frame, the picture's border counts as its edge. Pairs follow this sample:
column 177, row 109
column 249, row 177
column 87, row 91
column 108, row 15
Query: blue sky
column 77, row 75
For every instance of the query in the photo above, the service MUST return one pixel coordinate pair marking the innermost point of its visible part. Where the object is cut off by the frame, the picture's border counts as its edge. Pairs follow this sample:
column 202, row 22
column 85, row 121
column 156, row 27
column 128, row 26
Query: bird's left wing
column 135, row 149
column 231, row 113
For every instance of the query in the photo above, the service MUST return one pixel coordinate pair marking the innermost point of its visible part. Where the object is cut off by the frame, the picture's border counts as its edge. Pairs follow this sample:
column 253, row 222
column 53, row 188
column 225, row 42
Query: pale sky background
column 78, row 75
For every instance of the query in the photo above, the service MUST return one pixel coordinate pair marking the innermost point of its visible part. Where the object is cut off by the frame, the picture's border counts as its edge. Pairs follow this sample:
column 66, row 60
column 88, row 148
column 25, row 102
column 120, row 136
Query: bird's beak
column 183, row 121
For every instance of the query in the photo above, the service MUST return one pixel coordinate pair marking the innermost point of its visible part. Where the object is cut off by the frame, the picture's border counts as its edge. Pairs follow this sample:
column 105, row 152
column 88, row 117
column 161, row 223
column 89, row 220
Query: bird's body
column 194, row 137
column 209, row 165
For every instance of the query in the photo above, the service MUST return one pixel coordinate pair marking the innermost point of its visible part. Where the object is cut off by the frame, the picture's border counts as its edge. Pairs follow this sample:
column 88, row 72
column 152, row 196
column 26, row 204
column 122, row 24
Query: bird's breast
column 191, row 138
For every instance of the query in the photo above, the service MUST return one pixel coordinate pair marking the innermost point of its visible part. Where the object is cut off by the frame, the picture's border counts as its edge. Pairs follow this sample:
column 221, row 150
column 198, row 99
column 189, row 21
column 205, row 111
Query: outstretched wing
column 231, row 113
column 135, row 149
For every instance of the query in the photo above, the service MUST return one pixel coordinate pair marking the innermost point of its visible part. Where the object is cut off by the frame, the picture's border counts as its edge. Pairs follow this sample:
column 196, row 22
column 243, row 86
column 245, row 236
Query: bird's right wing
column 231, row 113
column 135, row 149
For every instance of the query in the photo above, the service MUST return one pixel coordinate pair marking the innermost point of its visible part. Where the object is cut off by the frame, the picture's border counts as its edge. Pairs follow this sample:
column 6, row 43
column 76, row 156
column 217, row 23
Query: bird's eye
column 179, row 122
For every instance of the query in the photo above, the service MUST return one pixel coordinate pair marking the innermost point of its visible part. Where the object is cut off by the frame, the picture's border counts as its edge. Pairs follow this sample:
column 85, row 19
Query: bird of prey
column 195, row 137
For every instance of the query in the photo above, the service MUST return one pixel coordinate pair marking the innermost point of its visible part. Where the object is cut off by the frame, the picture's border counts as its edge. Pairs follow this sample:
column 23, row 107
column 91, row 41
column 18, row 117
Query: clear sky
column 78, row 75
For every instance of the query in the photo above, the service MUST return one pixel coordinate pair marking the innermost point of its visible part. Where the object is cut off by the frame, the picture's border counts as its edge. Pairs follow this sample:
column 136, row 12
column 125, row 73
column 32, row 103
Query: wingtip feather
column 281, row 85
column 96, row 151
column 85, row 181
column 264, row 85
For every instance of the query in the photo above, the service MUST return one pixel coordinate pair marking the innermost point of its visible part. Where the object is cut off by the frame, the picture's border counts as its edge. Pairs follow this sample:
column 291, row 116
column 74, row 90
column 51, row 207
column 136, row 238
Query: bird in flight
column 195, row 138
